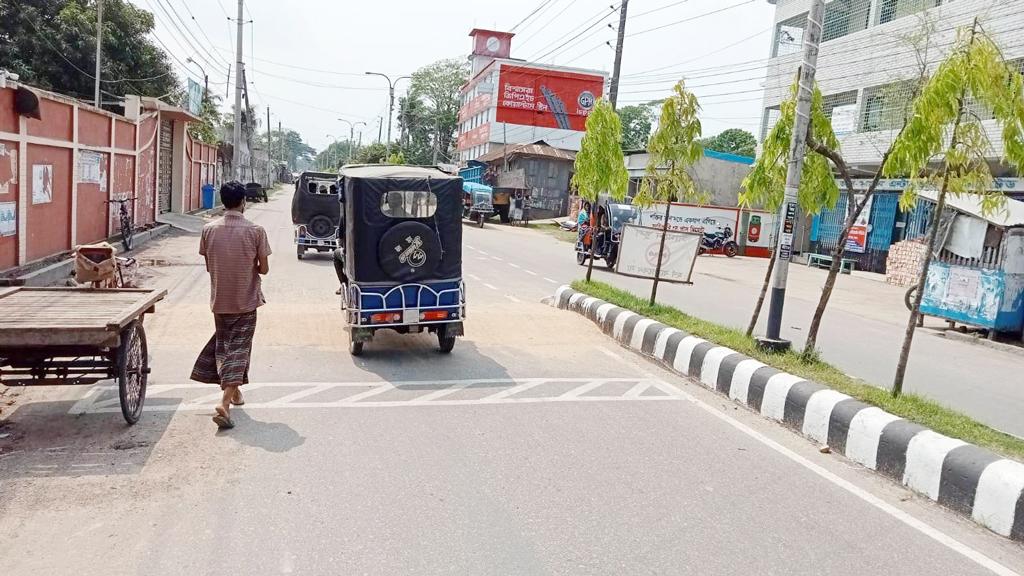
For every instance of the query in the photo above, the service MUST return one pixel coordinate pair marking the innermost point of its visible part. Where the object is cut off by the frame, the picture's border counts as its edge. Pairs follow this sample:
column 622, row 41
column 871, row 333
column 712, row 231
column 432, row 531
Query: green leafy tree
column 287, row 146
column 673, row 148
column 416, row 138
column 600, row 166
column 944, row 144
column 636, row 126
column 206, row 129
column 436, row 88
column 733, row 141
column 766, row 183
column 52, row 44
column 373, row 154
column 396, row 158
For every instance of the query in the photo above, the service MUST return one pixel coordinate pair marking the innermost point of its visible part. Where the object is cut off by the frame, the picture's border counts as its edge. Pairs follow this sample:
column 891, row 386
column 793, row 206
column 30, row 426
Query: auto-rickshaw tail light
column 385, row 318
column 433, row 315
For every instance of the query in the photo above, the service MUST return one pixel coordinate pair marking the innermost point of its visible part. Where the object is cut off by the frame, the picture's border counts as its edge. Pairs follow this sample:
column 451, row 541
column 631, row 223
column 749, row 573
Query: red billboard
column 547, row 98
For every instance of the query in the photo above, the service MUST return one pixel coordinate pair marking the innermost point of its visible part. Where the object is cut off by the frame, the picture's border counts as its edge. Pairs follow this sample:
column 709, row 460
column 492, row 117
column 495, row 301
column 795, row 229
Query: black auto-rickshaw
column 255, row 192
column 603, row 225
column 477, row 202
column 401, row 253
column 316, row 212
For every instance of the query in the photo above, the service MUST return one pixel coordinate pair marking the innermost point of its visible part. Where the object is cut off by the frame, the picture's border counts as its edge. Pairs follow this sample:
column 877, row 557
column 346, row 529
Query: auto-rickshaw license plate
column 410, row 316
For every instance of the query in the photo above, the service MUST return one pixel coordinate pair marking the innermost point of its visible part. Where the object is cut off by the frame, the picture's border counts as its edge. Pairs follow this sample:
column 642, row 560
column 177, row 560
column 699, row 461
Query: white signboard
column 715, row 221
column 42, row 183
column 639, row 249
column 844, row 119
column 90, row 169
column 8, row 218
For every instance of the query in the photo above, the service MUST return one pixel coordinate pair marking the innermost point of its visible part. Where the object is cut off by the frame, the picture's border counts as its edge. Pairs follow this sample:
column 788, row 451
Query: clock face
column 493, row 44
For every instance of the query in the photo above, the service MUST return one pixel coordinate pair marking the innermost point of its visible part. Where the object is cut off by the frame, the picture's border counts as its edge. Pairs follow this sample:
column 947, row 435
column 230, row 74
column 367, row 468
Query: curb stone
column 967, row 479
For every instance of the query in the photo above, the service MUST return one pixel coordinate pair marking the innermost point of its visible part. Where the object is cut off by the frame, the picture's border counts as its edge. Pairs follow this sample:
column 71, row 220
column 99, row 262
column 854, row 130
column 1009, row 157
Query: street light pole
column 351, row 134
column 391, row 104
column 206, row 79
column 788, row 213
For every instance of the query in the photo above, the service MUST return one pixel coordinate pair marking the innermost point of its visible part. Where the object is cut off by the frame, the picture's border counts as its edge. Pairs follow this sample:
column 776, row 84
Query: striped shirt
column 232, row 246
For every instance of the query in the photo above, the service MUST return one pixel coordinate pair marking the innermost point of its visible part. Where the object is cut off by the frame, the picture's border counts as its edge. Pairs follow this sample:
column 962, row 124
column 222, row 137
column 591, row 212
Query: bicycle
column 127, row 228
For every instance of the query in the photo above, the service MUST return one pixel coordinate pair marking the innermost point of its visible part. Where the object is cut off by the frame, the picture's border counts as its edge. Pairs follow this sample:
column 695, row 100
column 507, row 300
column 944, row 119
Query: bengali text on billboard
column 547, row 98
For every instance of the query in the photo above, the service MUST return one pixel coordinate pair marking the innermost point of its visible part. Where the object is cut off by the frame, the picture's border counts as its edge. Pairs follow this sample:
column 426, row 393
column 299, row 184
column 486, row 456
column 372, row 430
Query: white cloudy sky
column 306, row 58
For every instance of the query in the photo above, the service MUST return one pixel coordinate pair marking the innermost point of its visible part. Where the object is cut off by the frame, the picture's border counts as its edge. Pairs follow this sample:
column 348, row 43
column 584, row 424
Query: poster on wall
column 90, row 169
column 8, row 218
column 640, row 246
column 42, row 183
column 844, row 119
column 546, row 98
column 857, row 241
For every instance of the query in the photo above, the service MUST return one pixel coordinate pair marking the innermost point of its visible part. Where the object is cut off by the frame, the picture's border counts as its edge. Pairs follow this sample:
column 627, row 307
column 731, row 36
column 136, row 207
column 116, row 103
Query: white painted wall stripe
column 636, row 341
column 741, row 379
column 712, row 364
column 683, row 353
column 999, row 488
column 620, row 323
column 925, row 453
column 773, row 404
column 603, row 310
column 661, row 342
column 865, row 432
column 817, row 413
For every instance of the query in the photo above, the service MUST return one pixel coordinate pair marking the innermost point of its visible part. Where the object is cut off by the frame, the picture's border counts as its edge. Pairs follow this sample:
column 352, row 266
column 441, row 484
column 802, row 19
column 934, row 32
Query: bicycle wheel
column 127, row 231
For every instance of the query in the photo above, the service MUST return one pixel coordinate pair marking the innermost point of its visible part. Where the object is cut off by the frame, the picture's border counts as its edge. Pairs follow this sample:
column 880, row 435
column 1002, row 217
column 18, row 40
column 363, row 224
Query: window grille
column 885, row 107
column 789, row 35
column 889, row 10
column 771, row 116
column 844, row 17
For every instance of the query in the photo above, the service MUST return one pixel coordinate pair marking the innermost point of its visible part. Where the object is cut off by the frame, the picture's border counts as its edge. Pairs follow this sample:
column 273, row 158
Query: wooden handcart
column 74, row 336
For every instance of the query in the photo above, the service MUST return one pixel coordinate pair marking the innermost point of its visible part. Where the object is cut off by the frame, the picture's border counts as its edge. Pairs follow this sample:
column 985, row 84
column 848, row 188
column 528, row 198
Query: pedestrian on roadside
column 236, row 252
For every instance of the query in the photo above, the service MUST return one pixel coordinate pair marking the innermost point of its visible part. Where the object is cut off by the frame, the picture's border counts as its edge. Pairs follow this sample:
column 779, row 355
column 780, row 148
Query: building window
column 844, row 17
column 771, row 116
column 886, row 107
column 789, row 35
column 889, row 10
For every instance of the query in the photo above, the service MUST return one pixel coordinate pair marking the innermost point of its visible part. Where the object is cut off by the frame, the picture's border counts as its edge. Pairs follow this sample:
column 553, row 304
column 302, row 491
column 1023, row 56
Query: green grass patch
column 914, row 408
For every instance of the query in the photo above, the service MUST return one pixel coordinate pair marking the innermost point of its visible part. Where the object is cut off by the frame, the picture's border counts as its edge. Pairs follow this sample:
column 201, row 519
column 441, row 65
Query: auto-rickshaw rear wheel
column 354, row 348
column 445, row 341
column 299, row 251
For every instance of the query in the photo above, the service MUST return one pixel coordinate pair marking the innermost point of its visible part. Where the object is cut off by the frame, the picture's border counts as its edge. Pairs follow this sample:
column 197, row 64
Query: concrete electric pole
column 613, row 91
column 236, row 159
column 99, row 50
column 789, row 211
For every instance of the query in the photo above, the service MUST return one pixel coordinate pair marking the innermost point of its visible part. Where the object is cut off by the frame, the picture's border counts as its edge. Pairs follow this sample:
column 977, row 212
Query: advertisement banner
column 42, row 183
column 639, row 249
column 195, row 97
column 90, row 169
column 546, row 98
column 8, row 218
column 857, row 241
column 716, row 221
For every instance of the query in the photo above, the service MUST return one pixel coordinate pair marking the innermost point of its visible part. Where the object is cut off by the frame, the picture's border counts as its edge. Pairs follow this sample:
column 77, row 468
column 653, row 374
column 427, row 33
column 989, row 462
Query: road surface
column 537, row 447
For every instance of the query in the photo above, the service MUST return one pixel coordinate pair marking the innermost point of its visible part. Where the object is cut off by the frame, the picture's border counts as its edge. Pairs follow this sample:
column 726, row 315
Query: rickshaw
column 401, row 253
column 605, row 226
column 316, row 212
column 477, row 202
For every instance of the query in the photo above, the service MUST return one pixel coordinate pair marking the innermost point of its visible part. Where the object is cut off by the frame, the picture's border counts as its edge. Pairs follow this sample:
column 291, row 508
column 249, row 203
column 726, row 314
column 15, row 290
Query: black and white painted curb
column 963, row 477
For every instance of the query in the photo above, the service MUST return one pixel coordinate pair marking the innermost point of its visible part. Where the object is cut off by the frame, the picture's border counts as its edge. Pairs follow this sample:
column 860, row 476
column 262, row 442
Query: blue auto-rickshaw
column 401, row 253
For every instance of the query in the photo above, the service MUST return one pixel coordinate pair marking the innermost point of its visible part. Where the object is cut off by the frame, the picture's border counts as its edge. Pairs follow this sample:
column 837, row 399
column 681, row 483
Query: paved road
column 862, row 332
column 537, row 447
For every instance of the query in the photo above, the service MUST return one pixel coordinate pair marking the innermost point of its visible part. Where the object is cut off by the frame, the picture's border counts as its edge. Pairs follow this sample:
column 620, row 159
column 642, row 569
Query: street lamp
column 206, row 79
column 391, row 104
column 351, row 134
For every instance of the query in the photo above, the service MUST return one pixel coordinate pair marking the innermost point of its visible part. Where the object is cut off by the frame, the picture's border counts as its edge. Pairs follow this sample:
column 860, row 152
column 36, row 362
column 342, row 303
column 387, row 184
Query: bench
column 825, row 261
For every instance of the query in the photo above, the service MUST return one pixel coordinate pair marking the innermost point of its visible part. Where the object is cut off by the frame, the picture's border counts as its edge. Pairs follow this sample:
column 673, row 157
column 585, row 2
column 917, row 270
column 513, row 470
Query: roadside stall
column 977, row 276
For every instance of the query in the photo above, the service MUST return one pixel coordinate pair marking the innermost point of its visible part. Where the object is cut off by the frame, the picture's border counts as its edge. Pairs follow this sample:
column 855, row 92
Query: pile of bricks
column 905, row 261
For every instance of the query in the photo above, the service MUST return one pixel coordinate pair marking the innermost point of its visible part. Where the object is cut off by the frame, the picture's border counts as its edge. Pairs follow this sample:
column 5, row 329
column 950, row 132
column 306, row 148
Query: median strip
column 932, row 450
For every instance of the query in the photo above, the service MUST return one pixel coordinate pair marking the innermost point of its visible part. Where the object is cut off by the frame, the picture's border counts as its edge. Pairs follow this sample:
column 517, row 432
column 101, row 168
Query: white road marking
column 496, row 258
column 609, row 353
column 530, row 272
column 513, row 265
column 546, row 279
column 513, row 299
column 473, row 277
column 491, row 286
column 484, row 253
column 927, row 530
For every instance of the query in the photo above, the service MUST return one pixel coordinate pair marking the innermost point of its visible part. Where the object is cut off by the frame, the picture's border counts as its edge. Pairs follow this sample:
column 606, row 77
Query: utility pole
column 380, row 128
column 391, row 104
column 270, row 157
column 613, row 92
column 789, row 211
column 280, row 145
column 227, row 85
column 99, row 50
column 236, row 159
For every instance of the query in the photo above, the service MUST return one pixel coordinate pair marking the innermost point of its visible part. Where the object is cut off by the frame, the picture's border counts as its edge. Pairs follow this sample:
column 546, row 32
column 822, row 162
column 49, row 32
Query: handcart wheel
column 132, row 371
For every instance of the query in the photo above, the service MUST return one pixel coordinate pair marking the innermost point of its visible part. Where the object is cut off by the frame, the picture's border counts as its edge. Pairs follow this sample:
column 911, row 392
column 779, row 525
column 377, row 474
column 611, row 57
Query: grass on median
column 914, row 408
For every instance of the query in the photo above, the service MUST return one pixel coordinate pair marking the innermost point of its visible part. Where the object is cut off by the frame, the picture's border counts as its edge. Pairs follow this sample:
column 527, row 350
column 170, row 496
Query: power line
column 663, row 26
column 546, row 24
column 597, row 22
column 601, row 15
column 653, row 10
column 535, row 10
column 181, row 34
column 203, row 32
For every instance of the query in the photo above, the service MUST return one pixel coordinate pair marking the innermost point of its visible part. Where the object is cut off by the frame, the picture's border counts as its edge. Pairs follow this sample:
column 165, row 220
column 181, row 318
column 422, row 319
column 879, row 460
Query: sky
column 306, row 59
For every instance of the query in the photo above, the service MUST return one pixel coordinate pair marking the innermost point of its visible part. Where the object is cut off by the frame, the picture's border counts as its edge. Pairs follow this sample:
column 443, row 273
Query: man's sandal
column 223, row 420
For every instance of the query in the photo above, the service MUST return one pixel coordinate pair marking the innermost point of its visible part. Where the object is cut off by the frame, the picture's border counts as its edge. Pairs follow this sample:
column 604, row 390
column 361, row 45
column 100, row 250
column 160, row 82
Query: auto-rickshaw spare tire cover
column 409, row 251
column 321, row 226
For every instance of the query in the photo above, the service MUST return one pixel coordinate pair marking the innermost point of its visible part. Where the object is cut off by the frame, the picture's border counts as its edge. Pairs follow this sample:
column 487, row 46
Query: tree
column 733, row 141
column 673, row 148
column 205, row 130
column 396, row 158
column 373, row 154
column 289, row 148
column 600, row 166
column 636, row 126
column 52, row 44
column 766, row 183
column 436, row 88
column 944, row 144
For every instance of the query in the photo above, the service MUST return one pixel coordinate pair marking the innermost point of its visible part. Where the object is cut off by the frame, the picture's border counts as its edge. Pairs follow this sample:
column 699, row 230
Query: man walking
column 236, row 252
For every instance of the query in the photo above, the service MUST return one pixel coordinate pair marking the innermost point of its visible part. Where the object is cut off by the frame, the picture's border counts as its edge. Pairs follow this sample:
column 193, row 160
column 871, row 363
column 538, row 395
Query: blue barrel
column 208, row 191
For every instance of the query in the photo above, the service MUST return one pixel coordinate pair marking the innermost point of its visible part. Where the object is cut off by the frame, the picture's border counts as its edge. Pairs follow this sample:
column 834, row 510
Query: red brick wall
column 93, row 129
column 49, row 224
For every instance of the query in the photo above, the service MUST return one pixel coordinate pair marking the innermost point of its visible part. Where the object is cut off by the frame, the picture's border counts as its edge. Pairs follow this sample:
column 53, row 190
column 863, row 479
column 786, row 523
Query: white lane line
column 637, row 390
column 496, row 258
column 484, row 253
column 513, row 299
column 939, row 536
column 489, row 286
column 473, row 277
column 530, row 272
column 546, row 279
column 514, row 265
column 581, row 390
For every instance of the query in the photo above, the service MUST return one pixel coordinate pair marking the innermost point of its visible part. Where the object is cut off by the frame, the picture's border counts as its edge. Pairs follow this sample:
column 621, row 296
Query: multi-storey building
column 872, row 56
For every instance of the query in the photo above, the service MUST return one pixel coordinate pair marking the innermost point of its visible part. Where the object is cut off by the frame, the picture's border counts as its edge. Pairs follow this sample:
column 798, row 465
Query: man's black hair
column 232, row 194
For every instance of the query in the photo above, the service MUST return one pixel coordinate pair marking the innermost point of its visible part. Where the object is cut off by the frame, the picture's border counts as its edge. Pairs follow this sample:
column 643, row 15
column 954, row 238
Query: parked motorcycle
column 721, row 240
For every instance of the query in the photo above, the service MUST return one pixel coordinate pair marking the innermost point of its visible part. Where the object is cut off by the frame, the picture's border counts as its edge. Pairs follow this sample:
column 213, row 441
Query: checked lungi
column 225, row 358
